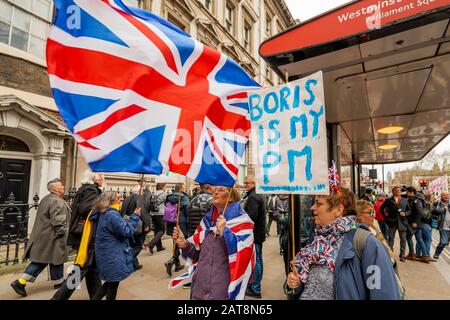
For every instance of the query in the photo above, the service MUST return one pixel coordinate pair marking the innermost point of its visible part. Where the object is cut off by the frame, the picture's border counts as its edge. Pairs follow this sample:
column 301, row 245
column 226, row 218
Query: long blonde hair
column 104, row 201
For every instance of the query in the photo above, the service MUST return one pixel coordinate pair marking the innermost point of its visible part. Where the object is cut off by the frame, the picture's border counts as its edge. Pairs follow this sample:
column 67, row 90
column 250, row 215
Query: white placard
column 290, row 138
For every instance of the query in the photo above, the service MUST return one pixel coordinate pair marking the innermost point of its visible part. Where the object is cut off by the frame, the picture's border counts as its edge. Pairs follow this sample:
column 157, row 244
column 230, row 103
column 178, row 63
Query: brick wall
column 23, row 75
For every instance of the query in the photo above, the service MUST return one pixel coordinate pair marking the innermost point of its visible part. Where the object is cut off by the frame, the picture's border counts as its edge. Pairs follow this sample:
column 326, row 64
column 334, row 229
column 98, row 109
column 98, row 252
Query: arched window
column 8, row 143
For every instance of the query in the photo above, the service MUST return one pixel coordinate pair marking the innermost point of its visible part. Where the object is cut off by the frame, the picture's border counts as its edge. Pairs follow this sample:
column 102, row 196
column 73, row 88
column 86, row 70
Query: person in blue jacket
column 330, row 268
column 113, row 254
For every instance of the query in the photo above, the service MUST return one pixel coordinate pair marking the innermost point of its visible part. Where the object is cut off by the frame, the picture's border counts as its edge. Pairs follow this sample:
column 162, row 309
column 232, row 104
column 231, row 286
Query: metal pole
column 382, row 170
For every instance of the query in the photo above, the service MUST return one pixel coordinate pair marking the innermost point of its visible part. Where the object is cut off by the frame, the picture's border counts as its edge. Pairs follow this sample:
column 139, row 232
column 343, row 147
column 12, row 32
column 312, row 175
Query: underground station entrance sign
column 355, row 18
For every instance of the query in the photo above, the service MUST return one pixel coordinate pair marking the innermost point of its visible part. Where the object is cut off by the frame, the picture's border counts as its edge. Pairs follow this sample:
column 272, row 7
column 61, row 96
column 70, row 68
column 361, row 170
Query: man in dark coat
column 47, row 245
column 198, row 207
column 129, row 205
column 255, row 208
column 81, row 207
column 398, row 210
column 416, row 203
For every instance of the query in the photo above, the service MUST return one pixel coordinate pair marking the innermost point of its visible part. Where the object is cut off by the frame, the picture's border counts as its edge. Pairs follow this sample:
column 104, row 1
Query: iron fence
column 14, row 228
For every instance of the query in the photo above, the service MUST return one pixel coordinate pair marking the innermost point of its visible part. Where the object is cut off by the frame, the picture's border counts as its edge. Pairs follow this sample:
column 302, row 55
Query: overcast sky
column 306, row 9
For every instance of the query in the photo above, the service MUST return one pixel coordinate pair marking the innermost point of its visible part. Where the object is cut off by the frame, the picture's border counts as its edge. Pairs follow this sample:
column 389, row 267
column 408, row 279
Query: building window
column 229, row 17
column 268, row 26
column 247, row 37
column 8, row 143
column 207, row 4
column 25, row 30
column 135, row 3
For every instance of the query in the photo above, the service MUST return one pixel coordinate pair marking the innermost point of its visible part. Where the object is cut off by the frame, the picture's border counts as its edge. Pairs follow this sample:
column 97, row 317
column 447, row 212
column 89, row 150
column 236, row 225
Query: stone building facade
column 35, row 144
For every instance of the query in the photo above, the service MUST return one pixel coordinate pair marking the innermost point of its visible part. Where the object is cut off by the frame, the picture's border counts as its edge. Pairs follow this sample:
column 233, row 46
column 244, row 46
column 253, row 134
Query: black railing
column 14, row 228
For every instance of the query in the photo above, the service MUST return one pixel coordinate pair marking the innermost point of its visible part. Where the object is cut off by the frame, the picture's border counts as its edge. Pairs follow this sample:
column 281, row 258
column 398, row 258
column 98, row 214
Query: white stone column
column 240, row 23
column 157, row 7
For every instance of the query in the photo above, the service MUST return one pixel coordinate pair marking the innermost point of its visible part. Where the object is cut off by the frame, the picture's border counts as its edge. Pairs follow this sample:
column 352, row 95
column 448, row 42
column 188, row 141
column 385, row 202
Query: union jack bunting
column 333, row 178
column 143, row 96
column 241, row 251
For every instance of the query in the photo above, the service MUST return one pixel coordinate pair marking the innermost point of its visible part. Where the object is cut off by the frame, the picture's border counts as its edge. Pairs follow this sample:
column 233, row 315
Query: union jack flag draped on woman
column 143, row 96
column 238, row 236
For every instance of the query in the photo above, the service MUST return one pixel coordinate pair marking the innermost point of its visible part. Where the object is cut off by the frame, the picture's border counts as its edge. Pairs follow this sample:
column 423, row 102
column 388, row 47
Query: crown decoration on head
column 333, row 178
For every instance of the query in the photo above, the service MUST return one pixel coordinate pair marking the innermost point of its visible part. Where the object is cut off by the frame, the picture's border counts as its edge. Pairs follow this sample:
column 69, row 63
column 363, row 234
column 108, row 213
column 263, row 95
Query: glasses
column 370, row 213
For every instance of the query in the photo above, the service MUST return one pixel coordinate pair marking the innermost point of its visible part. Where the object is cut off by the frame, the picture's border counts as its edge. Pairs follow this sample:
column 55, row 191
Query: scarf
column 322, row 251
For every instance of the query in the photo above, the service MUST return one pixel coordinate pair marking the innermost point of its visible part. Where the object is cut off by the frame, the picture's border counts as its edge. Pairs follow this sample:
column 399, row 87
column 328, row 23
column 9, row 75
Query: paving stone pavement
column 422, row 281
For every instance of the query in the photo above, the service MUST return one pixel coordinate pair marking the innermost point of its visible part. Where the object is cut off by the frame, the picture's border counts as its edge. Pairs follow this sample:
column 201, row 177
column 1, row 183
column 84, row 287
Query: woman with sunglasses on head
column 343, row 260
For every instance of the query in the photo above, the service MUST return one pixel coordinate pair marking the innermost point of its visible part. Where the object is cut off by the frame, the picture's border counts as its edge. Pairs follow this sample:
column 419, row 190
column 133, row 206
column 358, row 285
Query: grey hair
column 104, row 201
column 52, row 183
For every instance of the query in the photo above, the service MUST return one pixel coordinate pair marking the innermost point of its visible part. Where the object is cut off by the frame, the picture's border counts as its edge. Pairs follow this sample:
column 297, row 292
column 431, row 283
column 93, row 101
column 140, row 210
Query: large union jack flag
column 239, row 242
column 142, row 96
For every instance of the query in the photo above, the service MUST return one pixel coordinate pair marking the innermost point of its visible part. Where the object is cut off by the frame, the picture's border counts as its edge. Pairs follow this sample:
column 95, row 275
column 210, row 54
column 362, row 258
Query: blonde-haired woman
column 221, row 273
column 329, row 268
column 113, row 254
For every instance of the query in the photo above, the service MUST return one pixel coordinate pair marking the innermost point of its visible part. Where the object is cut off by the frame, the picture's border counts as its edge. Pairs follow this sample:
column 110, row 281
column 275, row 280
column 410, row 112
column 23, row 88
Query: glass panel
column 39, row 28
column 12, row 144
column 37, row 46
column 26, row 4
column 42, row 8
column 19, row 39
column 4, row 32
column 21, row 20
column 5, row 11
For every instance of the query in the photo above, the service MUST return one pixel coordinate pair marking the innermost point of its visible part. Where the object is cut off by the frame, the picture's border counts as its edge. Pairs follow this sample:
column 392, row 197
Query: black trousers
column 93, row 283
column 159, row 231
column 108, row 289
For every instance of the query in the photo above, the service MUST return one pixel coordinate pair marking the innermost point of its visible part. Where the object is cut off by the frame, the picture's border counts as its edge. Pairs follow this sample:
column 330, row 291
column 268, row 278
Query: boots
column 169, row 264
column 178, row 265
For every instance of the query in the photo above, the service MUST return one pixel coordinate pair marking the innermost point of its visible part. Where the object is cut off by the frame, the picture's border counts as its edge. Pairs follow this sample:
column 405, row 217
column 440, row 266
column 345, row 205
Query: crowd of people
column 341, row 239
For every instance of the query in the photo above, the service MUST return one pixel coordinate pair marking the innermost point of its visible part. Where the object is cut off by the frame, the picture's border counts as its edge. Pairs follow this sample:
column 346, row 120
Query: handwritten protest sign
column 289, row 137
column 438, row 185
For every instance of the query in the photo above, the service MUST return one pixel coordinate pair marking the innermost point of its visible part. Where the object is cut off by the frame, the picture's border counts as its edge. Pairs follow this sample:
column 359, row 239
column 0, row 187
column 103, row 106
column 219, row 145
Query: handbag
column 78, row 230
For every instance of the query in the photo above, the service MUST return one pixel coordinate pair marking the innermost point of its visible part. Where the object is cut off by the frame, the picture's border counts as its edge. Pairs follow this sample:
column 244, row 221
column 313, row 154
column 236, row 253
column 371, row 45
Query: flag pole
column 178, row 220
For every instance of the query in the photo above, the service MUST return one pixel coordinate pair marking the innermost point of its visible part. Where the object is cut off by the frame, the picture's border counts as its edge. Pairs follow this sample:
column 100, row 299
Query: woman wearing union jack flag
column 221, row 250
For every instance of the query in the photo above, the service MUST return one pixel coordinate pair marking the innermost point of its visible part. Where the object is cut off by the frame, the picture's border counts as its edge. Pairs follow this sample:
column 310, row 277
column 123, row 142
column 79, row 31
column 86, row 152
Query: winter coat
column 256, row 208
column 49, row 236
column 160, row 196
column 352, row 274
column 392, row 209
column 184, row 204
column 379, row 216
column 417, row 213
column 112, row 248
column 198, row 207
column 440, row 210
column 81, row 207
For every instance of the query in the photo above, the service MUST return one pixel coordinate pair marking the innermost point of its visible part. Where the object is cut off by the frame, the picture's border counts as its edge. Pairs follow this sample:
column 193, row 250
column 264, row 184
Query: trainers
column 435, row 257
column 402, row 259
column 160, row 249
column 252, row 294
column 19, row 288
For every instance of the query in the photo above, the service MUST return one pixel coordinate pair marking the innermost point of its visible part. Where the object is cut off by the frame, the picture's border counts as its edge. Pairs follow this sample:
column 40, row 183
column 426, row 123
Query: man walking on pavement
column 416, row 203
column 198, row 207
column 47, row 245
column 442, row 210
column 156, row 207
column 397, row 209
column 255, row 208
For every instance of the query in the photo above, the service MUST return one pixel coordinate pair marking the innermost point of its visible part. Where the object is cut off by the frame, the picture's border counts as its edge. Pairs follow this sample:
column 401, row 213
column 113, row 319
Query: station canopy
column 386, row 71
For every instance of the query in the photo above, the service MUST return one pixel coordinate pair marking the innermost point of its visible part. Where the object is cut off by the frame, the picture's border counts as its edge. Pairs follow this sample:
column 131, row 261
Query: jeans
column 93, row 284
column 34, row 269
column 258, row 272
column 384, row 230
column 443, row 242
column 402, row 234
column 424, row 239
